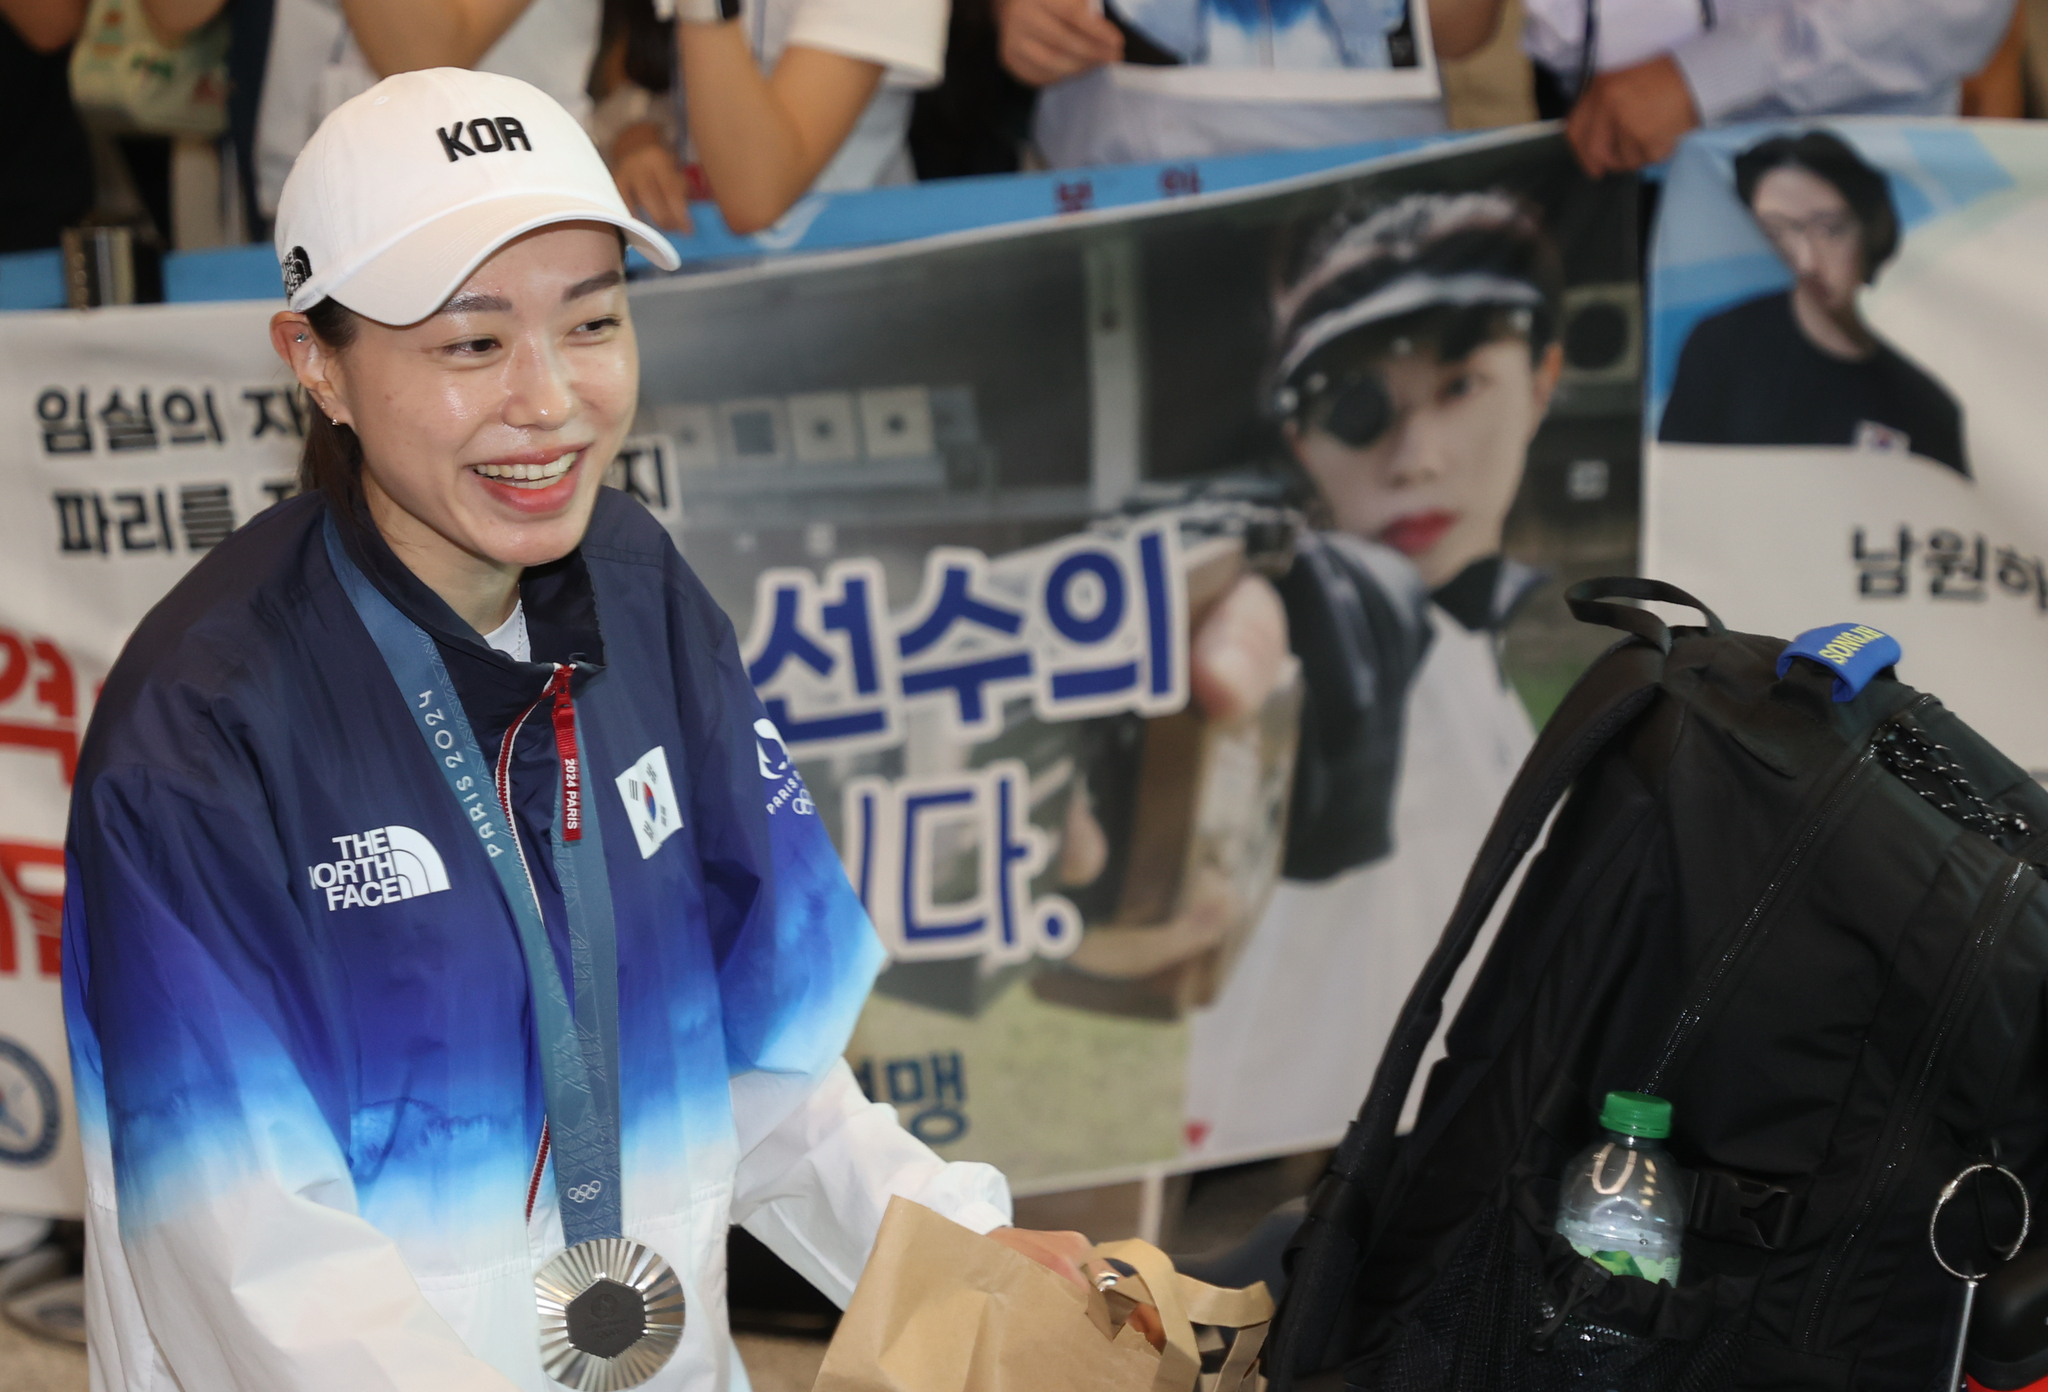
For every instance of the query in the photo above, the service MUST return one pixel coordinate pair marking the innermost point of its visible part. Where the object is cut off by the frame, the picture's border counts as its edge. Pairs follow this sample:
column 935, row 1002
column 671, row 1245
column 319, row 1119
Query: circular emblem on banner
column 29, row 1115
column 611, row 1314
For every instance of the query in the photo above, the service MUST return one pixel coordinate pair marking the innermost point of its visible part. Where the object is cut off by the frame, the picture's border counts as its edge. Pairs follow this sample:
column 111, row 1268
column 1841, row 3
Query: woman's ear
column 317, row 366
column 1543, row 385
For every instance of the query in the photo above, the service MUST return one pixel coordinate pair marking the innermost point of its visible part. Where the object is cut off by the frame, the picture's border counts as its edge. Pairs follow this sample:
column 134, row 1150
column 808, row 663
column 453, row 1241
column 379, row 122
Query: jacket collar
column 561, row 623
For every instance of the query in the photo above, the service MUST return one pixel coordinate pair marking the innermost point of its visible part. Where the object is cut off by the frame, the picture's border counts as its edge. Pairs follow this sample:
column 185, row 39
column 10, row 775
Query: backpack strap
column 1612, row 693
column 1585, row 601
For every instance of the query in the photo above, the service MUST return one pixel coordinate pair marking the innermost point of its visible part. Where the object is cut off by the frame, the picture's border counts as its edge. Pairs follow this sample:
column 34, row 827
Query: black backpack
column 1816, row 927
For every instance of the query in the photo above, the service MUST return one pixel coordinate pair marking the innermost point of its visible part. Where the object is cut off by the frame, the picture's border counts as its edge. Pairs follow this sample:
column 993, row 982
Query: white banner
column 1850, row 323
column 141, row 438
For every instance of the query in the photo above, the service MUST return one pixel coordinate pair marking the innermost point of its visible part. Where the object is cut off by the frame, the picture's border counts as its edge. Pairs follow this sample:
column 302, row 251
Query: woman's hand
column 649, row 179
column 1058, row 1252
column 1062, row 1253
column 1240, row 655
column 1047, row 41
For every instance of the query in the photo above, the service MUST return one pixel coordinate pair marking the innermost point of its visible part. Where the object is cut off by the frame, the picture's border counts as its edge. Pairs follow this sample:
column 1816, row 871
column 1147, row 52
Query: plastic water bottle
column 1624, row 1201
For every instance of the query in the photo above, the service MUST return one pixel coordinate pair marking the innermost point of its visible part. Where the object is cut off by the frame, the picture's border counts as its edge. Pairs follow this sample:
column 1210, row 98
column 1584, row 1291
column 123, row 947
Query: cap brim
column 412, row 275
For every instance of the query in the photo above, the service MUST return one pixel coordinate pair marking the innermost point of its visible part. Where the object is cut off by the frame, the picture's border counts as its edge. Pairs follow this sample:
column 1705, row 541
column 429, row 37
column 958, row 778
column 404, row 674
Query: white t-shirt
column 907, row 37
column 1275, row 77
column 510, row 636
column 315, row 65
column 1095, row 119
column 1630, row 31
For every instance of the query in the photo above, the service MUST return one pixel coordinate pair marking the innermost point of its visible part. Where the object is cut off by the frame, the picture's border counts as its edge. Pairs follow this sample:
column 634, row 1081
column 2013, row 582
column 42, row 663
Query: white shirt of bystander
column 1286, row 75
column 906, row 37
column 315, row 65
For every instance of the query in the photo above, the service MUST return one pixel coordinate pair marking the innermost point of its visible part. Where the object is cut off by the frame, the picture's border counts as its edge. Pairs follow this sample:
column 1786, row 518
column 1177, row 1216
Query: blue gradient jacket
column 306, row 1071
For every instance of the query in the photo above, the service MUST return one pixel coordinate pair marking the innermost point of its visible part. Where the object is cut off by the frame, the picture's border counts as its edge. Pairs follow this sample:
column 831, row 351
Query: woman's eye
column 1459, row 386
column 599, row 325
column 474, row 346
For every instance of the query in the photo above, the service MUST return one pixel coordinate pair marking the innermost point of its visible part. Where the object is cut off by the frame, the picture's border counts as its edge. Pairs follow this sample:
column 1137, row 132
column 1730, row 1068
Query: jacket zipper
column 1986, row 936
column 1695, row 1010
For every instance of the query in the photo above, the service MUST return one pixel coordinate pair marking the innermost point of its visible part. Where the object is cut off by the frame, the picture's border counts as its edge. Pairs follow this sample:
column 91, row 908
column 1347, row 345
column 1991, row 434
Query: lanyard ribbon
column 579, row 1044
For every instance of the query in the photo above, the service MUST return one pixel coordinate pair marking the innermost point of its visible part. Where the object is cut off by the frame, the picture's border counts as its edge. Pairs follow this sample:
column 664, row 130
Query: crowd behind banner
column 173, row 121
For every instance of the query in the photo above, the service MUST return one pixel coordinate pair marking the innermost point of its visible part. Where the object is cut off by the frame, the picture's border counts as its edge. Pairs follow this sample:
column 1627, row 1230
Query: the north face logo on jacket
column 379, row 866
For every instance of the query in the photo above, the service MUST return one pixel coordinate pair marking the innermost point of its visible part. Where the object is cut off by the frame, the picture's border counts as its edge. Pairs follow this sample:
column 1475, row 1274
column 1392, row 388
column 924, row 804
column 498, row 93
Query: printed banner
column 1155, row 601
column 1848, row 321
column 141, row 438
column 1133, row 592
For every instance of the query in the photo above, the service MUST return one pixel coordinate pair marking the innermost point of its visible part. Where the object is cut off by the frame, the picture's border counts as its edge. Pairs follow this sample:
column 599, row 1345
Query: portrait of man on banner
column 1803, row 366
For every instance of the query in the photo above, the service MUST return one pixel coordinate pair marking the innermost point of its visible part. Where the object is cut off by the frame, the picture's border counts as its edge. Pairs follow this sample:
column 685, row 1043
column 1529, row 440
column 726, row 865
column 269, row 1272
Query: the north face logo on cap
column 298, row 269
column 486, row 135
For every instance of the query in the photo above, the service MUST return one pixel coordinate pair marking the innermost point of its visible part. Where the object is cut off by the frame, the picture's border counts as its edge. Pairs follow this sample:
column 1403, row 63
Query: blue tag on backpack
column 1853, row 652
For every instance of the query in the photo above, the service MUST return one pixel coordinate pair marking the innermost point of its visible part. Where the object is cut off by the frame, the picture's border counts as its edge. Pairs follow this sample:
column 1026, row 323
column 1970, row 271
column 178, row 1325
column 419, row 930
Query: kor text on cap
column 487, row 135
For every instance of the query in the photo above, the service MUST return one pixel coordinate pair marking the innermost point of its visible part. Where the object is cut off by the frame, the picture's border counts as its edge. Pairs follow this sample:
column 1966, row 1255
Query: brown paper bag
column 942, row 1309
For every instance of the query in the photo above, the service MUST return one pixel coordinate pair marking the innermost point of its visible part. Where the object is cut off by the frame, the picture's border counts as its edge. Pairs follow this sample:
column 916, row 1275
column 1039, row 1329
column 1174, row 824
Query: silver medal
column 611, row 1314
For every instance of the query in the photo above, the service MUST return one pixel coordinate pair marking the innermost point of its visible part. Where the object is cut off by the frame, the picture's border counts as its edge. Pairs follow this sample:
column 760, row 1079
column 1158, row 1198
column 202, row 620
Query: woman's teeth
column 528, row 475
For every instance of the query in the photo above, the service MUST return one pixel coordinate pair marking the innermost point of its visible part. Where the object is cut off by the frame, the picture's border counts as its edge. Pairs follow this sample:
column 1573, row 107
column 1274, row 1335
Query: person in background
column 46, row 170
column 778, row 97
column 1644, row 72
column 1085, row 116
column 319, row 53
column 1801, row 366
column 322, row 52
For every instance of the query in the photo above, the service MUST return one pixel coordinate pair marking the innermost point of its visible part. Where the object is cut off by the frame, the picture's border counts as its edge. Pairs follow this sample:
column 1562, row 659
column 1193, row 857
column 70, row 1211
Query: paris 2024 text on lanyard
column 611, row 1310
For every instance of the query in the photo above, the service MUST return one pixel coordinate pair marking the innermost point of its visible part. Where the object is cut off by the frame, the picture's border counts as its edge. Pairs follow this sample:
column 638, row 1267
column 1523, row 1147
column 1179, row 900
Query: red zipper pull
column 565, row 751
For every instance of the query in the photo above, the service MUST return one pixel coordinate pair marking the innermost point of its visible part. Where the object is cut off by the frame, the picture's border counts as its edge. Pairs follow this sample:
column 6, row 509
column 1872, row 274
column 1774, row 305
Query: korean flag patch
column 650, row 801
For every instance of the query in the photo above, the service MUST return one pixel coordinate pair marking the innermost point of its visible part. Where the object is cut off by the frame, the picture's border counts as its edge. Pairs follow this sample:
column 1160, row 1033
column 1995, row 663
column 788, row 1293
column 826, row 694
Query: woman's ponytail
column 332, row 460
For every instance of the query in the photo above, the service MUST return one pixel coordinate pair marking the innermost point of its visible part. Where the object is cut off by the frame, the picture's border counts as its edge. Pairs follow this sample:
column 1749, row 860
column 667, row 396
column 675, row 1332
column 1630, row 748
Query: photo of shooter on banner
column 1414, row 358
column 1263, row 863
column 1139, row 596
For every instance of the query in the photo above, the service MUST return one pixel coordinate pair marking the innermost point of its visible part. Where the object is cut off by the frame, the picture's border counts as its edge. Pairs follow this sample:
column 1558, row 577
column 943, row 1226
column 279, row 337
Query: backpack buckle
column 1730, row 1207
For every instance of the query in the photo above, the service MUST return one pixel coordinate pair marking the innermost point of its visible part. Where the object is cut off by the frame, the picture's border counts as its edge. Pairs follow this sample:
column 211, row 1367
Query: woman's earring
column 302, row 338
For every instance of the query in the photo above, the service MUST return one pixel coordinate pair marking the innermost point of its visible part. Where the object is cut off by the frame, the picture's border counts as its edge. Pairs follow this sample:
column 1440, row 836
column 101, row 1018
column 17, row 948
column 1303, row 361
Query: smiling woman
column 409, row 1056
column 479, row 434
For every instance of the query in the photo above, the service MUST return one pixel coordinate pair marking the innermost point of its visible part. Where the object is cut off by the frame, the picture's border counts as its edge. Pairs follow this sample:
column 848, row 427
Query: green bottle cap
column 1637, row 1114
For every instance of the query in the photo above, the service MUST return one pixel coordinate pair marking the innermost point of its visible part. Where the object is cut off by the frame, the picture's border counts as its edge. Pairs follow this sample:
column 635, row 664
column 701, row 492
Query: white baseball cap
column 406, row 189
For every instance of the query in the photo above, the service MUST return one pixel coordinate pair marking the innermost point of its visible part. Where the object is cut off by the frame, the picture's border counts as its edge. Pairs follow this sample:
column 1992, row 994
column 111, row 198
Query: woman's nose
column 540, row 394
column 1417, row 455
